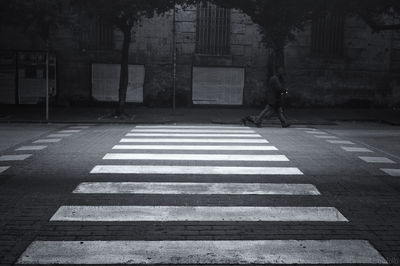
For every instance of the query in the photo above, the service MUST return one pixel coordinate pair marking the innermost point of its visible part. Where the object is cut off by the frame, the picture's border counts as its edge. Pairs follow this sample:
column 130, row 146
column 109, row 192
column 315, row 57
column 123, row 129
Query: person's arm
column 277, row 85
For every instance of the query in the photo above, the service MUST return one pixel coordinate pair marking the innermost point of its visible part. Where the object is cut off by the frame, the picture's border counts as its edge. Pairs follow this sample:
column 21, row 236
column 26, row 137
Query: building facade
column 217, row 58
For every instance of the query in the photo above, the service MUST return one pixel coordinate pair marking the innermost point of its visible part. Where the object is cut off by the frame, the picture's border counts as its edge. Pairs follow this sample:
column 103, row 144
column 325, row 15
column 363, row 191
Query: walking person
column 275, row 93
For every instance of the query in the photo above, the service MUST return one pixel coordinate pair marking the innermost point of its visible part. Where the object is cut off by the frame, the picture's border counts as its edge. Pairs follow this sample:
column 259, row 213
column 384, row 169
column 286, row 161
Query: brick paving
column 32, row 190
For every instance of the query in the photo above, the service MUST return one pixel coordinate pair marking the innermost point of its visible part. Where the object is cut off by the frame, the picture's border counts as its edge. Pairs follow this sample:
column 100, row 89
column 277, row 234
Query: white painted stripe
column 196, row 147
column 78, row 127
column 305, row 128
column 32, row 148
column 19, row 157
column 3, row 168
column 196, row 127
column 196, row 213
column 70, row 131
column 194, row 130
column 202, row 252
column 326, row 137
column 375, row 159
column 198, row 170
column 47, row 141
column 196, row 188
column 224, row 135
column 59, row 135
column 195, row 157
column 392, row 172
column 340, row 142
column 158, row 140
column 316, row 132
column 356, row 149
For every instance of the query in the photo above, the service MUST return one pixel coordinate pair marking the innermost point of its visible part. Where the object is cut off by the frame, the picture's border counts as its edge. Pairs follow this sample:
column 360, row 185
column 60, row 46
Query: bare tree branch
column 378, row 26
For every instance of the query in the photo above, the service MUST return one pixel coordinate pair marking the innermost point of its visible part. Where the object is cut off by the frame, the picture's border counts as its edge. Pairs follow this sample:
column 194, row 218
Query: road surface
column 199, row 194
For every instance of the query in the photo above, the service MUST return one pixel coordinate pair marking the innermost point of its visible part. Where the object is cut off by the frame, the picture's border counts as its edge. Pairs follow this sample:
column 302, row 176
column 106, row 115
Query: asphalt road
column 199, row 194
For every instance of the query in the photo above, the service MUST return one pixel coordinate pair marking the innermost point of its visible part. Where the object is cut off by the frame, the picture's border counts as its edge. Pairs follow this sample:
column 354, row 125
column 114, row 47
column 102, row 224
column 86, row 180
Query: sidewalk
column 220, row 115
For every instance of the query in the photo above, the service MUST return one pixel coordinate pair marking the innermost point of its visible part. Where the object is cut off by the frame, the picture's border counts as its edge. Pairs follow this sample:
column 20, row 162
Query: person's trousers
column 267, row 113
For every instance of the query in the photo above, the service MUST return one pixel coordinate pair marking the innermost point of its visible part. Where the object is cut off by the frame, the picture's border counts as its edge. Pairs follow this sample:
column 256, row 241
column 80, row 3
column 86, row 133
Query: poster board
column 32, row 76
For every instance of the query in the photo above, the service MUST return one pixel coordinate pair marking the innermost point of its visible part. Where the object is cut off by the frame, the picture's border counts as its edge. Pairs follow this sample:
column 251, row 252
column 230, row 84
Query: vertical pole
column 55, row 77
column 47, row 81
column 174, row 57
column 16, row 78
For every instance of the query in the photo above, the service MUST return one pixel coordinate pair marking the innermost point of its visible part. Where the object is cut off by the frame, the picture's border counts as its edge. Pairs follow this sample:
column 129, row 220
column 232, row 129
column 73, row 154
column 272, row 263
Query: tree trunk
column 124, row 75
column 276, row 59
column 280, row 57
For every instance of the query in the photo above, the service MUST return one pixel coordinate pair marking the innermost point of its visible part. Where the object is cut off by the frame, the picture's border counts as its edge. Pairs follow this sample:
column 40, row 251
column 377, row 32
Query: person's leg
column 264, row 114
column 253, row 118
column 282, row 117
column 249, row 118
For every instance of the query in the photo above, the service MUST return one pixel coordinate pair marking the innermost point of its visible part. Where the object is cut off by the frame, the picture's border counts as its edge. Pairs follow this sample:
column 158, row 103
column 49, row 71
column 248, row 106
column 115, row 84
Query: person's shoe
column 245, row 120
column 286, row 125
column 258, row 125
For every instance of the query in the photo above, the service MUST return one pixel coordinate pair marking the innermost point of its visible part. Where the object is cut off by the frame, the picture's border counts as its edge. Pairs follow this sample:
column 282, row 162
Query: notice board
column 105, row 82
column 218, row 85
column 32, row 76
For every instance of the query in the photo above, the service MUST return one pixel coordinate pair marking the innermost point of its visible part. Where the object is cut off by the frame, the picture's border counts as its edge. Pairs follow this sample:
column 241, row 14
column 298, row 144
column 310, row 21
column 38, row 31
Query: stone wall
column 366, row 74
column 362, row 77
column 246, row 51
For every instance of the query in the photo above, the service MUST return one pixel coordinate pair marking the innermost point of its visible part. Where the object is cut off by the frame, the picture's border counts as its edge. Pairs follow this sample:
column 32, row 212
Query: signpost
column 47, row 81
column 174, row 56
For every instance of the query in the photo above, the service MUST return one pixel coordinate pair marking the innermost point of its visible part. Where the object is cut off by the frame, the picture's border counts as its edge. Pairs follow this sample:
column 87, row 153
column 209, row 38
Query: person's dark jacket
column 276, row 87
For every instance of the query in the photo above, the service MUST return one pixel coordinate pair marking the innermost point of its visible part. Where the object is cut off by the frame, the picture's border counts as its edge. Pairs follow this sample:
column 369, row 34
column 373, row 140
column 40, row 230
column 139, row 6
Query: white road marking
column 195, row 157
column 195, row 170
column 47, row 141
column 78, row 127
column 183, row 127
column 224, row 135
column 194, row 130
column 340, row 142
column 316, row 132
column 70, row 131
column 3, row 168
column 392, row 172
column 375, row 159
column 196, row 213
column 59, row 135
column 356, row 149
column 196, row 188
column 32, row 148
column 181, row 140
column 227, row 252
column 326, row 137
column 19, row 157
column 196, row 147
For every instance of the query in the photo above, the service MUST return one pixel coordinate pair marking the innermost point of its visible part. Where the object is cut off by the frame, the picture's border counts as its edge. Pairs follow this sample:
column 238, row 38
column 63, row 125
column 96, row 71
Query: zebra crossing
column 51, row 138
column 315, row 252
column 195, row 157
column 230, row 144
column 196, row 188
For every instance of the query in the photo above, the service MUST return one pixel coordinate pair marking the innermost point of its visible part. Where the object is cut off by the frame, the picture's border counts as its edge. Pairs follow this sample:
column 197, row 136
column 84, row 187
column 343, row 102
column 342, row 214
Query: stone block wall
column 368, row 73
column 362, row 77
column 246, row 51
